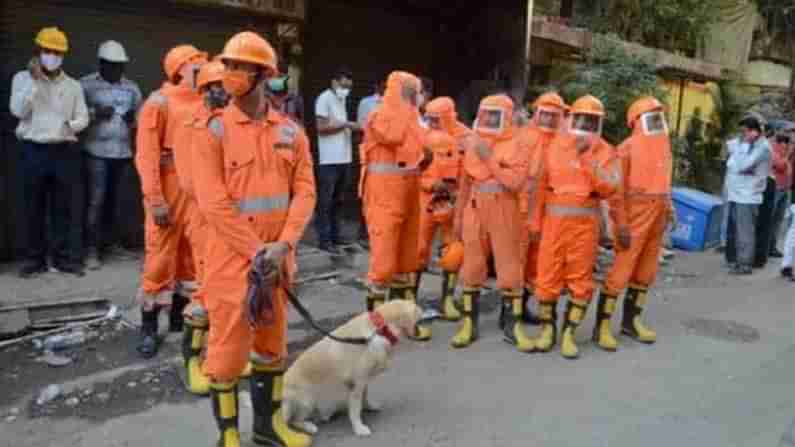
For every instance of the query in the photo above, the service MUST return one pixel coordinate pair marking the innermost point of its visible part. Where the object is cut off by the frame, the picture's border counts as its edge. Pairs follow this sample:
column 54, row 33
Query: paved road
column 721, row 375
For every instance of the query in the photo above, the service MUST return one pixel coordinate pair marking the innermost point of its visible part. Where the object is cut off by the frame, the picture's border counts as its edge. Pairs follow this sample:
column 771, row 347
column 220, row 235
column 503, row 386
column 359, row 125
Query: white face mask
column 51, row 62
column 342, row 93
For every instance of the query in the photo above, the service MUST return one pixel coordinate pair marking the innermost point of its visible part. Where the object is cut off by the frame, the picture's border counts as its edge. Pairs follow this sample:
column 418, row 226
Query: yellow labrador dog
column 331, row 375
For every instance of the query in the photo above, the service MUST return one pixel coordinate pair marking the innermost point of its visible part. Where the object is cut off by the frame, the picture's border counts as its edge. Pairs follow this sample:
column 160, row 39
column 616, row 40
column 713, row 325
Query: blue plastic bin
column 699, row 217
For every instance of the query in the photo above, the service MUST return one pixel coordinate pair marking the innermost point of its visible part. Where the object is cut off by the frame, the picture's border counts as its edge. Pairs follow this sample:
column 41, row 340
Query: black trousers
column 53, row 193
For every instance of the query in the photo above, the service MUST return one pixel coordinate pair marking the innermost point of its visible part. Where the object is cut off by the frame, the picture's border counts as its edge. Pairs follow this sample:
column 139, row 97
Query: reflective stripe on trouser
column 492, row 225
column 567, row 252
column 393, row 221
column 639, row 264
column 167, row 255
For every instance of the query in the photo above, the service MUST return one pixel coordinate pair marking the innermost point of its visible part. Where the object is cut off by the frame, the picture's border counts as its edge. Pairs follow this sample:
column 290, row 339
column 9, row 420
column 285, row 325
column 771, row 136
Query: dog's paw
column 362, row 430
column 308, row 427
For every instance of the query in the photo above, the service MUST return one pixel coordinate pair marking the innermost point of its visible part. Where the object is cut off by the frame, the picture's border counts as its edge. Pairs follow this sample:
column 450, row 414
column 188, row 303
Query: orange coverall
column 567, row 214
column 446, row 167
column 389, row 186
column 534, row 141
column 197, row 228
column 161, row 127
column 491, row 189
column 645, row 199
column 255, row 184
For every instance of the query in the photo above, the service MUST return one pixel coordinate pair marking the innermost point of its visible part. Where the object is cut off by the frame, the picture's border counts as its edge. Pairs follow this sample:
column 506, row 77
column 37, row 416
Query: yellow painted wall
column 696, row 95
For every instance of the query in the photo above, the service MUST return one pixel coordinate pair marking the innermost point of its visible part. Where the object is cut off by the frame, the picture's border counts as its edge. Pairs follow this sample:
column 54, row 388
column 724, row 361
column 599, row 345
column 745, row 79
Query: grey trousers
column 741, row 233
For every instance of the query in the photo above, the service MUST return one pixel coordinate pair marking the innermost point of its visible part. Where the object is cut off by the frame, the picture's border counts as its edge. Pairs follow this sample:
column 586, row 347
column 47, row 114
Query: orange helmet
column 179, row 56
column 588, row 105
column 452, row 257
column 643, row 105
column 550, row 99
column 210, row 72
column 250, row 47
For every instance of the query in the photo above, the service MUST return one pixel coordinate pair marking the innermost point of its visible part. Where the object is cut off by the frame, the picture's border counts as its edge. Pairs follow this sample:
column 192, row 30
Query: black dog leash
column 304, row 312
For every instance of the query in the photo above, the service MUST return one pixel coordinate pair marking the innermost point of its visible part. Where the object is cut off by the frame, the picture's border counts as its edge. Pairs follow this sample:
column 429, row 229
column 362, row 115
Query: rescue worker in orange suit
column 255, row 186
column 440, row 114
column 209, row 83
column 438, row 185
column 646, row 199
column 495, row 171
column 535, row 138
column 393, row 157
column 168, row 261
column 577, row 171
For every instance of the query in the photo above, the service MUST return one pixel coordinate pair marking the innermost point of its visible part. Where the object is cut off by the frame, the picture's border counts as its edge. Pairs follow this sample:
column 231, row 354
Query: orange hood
column 394, row 104
column 493, row 108
column 444, row 109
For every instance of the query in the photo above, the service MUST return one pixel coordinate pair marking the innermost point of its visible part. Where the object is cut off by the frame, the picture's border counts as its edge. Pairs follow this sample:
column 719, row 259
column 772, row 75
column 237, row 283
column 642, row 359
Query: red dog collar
column 382, row 329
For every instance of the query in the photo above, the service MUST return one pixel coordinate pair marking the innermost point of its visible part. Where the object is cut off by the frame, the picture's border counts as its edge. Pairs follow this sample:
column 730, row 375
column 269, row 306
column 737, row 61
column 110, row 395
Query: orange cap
column 179, row 56
column 250, row 47
column 452, row 257
column 643, row 105
column 210, row 72
column 550, row 99
column 589, row 105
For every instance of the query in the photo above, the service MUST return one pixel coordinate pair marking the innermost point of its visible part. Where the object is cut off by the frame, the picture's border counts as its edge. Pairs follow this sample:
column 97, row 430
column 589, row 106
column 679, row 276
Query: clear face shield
column 548, row 119
column 654, row 123
column 490, row 120
column 586, row 124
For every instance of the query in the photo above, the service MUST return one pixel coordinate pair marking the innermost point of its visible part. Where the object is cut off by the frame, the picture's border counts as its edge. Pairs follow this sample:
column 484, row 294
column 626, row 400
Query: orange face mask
column 238, row 82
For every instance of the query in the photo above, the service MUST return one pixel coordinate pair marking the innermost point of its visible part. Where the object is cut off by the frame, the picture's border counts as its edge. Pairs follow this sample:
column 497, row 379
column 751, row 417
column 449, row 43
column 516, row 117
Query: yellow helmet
column 52, row 39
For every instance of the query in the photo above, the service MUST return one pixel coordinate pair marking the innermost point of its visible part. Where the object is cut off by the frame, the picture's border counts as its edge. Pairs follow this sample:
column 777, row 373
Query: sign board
column 294, row 9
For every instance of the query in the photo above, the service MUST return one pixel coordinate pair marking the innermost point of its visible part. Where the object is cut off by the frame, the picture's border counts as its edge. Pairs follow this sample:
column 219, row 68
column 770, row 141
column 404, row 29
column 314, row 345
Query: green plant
column 673, row 25
column 618, row 79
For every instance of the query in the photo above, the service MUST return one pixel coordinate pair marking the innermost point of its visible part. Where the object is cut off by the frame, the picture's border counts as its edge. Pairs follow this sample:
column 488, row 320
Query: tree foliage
column 673, row 25
column 617, row 78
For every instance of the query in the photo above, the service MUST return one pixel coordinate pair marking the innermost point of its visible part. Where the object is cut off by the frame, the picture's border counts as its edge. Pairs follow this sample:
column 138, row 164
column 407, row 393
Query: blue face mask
column 278, row 85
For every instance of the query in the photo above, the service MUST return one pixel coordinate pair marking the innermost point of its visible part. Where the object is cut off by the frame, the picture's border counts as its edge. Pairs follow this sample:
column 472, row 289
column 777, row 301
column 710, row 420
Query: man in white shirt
column 51, row 109
column 747, row 171
column 335, row 150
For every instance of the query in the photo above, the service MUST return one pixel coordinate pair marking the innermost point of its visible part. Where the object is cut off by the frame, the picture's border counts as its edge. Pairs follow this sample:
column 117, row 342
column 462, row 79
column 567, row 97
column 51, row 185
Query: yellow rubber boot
column 548, row 334
column 447, row 307
column 375, row 298
column 602, row 333
column 631, row 322
column 513, row 329
column 225, row 410
column 468, row 331
column 195, row 328
column 422, row 332
column 270, row 428
column 575, row 313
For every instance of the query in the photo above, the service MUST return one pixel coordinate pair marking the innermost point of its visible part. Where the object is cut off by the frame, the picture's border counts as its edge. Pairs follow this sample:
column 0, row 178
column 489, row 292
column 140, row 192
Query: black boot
column 513, row 329
column 176, row 320
column 399, row 290
column 528, row 317
column 149, row 342
column 447, row 305
column 196, row 327
column 270, row 428
column 422, row 332
column 631, row 321
column 470, row 309
column 226, row 408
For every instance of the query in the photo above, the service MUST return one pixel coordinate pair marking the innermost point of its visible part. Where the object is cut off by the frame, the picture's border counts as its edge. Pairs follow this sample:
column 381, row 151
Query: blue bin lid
column 696, row 199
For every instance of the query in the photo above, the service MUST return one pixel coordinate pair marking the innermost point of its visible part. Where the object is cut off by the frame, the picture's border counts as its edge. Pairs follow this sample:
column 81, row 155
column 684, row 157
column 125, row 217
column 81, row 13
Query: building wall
column 696, row 96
